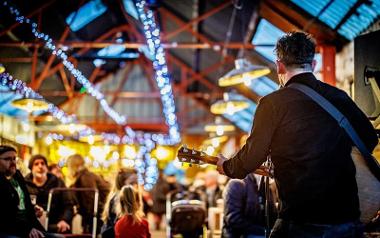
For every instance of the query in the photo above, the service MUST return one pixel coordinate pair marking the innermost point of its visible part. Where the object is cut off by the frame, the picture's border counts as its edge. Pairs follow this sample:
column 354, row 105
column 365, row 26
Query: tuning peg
column 193, row 152
column 203, row 153
column 185, row 148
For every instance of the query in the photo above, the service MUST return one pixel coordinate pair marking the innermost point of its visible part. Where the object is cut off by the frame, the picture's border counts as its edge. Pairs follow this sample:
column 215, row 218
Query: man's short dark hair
column 295, row 49
column 36, row 157
column 6, row 148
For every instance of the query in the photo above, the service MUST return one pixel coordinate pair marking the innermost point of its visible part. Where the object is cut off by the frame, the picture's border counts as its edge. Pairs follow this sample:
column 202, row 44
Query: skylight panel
column 266, row 34
column 87, row 13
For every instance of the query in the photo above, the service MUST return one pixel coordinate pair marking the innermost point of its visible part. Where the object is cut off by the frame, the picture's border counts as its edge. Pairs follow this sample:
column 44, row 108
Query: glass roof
column 333, row 13
column 263, row 86
column 266, row 34
column 130, row 7
column 87, row 13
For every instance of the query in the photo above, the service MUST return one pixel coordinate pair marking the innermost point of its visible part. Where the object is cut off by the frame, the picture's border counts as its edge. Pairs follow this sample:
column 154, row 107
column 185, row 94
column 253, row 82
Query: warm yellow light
column 2, row 68
column 98, row 153
column 65, row 151
column 244, row 71
column 216, row 140
column 219, row 127
column 130, row 151
column 230, row 107
column 91, row 139
column 210, row 150
column 30, row 104
column 162, row 153
column 48, row 140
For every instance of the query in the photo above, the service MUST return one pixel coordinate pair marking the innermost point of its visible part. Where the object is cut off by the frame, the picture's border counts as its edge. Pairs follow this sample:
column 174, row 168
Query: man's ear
column 281, row 69
column 313, row 64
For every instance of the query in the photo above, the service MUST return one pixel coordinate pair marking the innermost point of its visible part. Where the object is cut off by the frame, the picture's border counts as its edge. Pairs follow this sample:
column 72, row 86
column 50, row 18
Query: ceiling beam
column 289, row 17
column 30, row 15
column 216, row 46
column 190, row 23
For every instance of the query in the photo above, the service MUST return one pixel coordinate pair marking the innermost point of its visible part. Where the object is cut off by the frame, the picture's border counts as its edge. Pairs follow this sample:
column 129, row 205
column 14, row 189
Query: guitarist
column 311, row 153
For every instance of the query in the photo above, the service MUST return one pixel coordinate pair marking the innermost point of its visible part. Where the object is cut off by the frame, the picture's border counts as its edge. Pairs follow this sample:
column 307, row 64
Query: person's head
column 211, row 178
column 75, row 164
column 56, row 170
column 8, row 156
column 125, row 177
column 39, row 166
column 171, row 178
column 129, row 202
column 295, row 52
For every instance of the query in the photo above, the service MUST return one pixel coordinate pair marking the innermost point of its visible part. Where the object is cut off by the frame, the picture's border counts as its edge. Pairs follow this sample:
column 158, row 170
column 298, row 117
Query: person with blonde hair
column 109, row 216
column 81, row 177
column 131, row 222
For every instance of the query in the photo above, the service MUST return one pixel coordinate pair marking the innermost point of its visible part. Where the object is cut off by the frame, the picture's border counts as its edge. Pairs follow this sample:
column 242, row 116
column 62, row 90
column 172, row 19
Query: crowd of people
column 315, row 188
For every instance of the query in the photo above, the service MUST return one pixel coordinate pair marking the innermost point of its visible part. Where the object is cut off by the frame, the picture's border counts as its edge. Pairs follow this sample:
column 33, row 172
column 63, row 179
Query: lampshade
column 30, row 104
column 219, row 127
column 244, row 71
column 2, row 68
column 229, row 107
column 215, row 141
column 91, row 139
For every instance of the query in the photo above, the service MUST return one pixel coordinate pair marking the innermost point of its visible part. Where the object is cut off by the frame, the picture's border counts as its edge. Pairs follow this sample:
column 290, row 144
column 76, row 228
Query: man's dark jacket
column 314, row 171
column 62, row 202
column 9, row 200
column 242, row 213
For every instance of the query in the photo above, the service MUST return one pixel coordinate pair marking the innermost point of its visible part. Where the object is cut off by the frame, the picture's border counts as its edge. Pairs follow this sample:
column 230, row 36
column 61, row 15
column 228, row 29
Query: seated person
column 39, row 182
column 17, row 215
column 242, row 213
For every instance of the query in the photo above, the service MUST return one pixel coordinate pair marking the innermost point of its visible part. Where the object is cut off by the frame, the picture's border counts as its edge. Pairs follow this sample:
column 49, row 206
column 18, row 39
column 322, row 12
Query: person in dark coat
column 311, row 152
column 39, row 183
column 83, row 178
column 160, row 190
column 17, row 214
column 242, row 209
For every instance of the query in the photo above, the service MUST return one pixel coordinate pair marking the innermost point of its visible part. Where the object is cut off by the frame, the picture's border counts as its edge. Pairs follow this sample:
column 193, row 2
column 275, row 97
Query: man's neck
column 290, row 74
column 40, row 180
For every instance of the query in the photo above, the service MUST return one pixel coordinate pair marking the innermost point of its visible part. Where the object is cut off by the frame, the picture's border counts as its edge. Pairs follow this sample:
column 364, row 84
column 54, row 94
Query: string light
column 20, row 87
column 152, row 35
column 59, row 52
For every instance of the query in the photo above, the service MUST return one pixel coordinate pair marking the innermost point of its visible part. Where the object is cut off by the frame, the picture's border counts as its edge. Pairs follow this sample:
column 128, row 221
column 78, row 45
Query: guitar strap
column 343, row 122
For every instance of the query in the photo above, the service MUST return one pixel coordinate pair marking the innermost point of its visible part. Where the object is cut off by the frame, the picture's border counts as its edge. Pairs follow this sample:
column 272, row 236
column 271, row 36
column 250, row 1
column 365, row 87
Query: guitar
column 197, row 157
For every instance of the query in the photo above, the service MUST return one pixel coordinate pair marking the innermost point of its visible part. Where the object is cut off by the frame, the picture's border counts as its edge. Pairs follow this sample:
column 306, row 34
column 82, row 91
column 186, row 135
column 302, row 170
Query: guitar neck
column 262, row 170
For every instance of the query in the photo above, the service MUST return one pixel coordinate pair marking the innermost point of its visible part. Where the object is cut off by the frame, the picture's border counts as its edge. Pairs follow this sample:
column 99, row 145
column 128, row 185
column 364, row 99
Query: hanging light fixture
column 244, row 72
column 219, row 127
column 2, row 68
column 30, row 104
column 228, row 106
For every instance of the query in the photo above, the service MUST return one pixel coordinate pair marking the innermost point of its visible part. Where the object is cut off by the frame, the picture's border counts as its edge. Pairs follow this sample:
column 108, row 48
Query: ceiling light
column 244, row 71
column 2, row 68
column 230, row 107
column 30, row 104
column 219, row 128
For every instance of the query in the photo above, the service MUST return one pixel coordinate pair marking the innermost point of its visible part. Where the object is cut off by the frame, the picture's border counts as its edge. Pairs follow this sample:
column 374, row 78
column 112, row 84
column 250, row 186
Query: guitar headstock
column 192, row 156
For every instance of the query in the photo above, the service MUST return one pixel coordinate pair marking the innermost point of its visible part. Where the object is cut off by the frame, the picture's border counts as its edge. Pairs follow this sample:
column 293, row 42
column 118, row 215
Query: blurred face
column 8, row 163
column 132, row 180
column 39, row 168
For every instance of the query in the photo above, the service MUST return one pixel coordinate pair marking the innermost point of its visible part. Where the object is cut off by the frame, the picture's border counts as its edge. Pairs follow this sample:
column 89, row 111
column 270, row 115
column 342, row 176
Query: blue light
column 263, row 86
column 87, row 13
column 266, row 34
column 130, row 8
column 152, row 35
